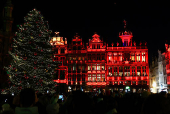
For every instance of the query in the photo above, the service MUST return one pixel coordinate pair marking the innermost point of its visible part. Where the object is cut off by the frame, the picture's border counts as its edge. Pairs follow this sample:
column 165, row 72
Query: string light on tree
column 32, row 65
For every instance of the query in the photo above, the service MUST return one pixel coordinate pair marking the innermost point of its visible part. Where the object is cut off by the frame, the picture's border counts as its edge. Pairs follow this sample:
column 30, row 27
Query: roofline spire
column 124, row 23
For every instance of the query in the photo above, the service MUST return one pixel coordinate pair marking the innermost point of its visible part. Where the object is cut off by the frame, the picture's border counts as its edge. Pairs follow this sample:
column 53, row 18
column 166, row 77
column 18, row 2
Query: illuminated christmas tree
column 32, row 64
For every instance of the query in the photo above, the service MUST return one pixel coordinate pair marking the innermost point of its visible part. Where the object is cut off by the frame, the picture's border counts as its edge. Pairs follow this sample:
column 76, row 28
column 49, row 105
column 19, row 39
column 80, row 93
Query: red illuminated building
column 167, row 58
column 122, row 67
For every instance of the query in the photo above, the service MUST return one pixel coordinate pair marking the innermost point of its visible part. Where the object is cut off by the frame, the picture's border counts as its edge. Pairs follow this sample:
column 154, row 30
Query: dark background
column 148, row 20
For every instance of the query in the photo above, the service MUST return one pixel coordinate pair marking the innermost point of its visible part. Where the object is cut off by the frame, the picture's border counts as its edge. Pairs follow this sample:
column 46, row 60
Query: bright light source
column 54, row 39
column 109, row 58
column 154, row 84
column 69, row 87
column 127, row 87
column 58, row 39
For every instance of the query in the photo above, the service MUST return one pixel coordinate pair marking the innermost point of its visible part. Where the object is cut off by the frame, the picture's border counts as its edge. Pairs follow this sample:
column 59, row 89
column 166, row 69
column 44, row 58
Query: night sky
column 148, row 21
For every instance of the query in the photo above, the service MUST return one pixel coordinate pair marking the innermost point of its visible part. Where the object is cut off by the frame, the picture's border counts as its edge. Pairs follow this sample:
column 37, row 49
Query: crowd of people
column 78, row 102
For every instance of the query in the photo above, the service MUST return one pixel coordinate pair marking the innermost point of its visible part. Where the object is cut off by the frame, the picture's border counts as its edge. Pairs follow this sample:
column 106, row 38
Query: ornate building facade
column 160, row 73
column 154, row 84
column 96, row 66
column 6, row 35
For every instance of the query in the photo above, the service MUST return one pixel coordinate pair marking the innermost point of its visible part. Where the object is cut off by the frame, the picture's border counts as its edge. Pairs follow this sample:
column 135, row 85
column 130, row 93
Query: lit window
column 138, row 58
column 94, row 77
column 89, row 77
column 79, row 58
column 109, row 58
column 103, row 77
column 125, row 74
column 133, row 57
column 98, row 66
column 115, row 57
column 74, row 58
column 98, row 77
column 58, row 38
column 110, row 71
column 138, row 73
column 89, row 67
column 120, row 56
column 103, row 68
column 93, row 67
column 54, row 39
column 74, row 67
column 143, row 57
column 120, row 73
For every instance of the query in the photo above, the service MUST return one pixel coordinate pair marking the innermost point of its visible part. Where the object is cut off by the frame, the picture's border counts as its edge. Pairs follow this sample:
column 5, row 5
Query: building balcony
column 112, row 78
column 96, row 71
column 96, row 83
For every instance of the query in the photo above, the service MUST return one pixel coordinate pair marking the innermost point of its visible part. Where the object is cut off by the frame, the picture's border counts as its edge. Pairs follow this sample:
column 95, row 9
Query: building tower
column 5, row 38
column 7, row 16
column 126, row 36
column 60, row 49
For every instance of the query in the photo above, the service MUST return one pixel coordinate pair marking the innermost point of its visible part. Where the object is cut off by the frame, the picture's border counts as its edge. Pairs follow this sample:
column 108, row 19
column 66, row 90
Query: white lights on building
column 154, row 84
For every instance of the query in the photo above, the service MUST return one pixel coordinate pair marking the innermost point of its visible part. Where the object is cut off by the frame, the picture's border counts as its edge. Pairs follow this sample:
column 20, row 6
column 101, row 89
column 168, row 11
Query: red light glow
column 101, row 65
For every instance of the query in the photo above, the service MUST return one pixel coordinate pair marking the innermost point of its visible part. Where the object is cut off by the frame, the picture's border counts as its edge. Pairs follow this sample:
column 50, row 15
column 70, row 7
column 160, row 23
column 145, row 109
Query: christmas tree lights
column 32, row 64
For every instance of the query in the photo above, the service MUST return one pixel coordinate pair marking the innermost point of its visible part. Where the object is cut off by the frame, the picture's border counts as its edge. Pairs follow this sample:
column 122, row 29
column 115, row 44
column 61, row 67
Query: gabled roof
column 96, row 38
